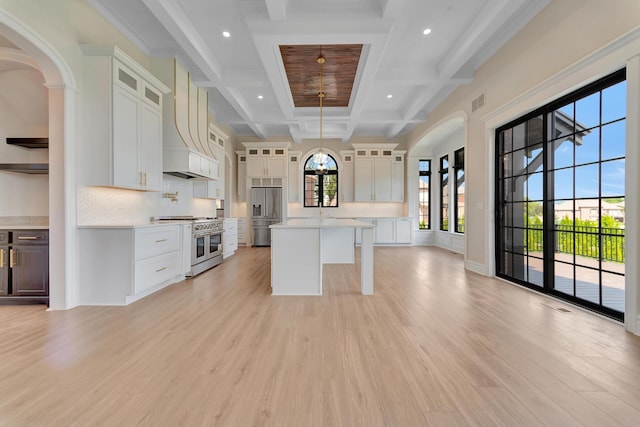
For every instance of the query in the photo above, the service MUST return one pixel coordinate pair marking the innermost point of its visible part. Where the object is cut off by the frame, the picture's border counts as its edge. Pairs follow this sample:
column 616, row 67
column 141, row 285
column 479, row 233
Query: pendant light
column 321, row 158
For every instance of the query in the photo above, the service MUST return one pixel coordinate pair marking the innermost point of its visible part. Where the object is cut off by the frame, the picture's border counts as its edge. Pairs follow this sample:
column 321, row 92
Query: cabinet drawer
column 31, row 237
column 154, row 241
column 153, row 271
column 4, row 237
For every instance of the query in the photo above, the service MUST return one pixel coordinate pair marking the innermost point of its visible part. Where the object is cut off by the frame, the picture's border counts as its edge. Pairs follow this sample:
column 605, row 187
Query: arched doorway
column 61, row 86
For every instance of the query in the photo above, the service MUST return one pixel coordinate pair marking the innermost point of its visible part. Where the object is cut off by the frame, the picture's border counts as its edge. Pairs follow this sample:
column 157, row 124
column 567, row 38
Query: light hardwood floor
column 435, row 345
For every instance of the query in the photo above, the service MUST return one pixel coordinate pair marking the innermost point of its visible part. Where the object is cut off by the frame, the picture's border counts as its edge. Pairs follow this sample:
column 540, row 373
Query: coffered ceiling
column 399, row 76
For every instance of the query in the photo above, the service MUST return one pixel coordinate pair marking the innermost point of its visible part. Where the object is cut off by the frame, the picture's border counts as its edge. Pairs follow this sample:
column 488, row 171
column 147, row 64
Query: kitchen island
column 300, row 247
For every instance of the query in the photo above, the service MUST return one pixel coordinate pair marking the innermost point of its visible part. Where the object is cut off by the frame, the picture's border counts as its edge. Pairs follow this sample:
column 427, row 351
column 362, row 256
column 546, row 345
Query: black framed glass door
column 560, row 197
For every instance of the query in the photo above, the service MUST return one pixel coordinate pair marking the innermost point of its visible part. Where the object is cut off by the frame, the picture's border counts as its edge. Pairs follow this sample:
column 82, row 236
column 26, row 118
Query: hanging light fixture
column 321, row 158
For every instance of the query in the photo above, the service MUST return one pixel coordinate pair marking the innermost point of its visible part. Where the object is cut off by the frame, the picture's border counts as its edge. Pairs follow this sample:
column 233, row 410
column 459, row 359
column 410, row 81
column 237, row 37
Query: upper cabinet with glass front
column 123, row 121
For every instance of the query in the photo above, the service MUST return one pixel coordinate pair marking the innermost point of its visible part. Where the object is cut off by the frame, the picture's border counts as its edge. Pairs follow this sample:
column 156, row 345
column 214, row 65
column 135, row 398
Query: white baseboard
column 476, row 267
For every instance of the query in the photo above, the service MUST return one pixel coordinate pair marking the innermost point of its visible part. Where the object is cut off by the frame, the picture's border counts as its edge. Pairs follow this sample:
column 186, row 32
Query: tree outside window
column 320, row 190
column 424, row 194
column 458, row 168
column 444, row 193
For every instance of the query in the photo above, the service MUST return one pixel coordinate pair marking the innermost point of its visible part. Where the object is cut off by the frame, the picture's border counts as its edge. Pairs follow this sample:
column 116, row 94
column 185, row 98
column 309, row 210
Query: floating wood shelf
column 29, row 142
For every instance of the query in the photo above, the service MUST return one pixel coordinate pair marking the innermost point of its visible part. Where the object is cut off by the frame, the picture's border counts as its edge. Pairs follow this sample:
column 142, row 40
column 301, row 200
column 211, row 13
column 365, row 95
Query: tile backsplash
column 114, row 206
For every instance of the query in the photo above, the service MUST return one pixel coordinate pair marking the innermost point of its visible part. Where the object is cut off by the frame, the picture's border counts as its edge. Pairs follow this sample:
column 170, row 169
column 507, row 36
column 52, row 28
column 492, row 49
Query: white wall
column 569, row 44
column 23, row 113
column 446, row 144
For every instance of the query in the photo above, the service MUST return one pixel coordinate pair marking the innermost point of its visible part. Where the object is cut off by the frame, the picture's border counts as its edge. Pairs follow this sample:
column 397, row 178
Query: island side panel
column 366, row 261
column 338, row 245
column 295, row 261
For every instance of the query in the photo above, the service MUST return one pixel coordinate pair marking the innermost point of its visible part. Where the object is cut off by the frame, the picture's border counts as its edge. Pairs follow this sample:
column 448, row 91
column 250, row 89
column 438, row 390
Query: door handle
column 2, row 258
column 161, row 269
column 140, row 178
column 13, row 258
column 161, row 240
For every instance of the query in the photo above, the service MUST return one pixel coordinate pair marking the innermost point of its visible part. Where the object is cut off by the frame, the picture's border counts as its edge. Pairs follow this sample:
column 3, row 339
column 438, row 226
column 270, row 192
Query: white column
column 366, row 261
column 63, row 292
column 632, row 202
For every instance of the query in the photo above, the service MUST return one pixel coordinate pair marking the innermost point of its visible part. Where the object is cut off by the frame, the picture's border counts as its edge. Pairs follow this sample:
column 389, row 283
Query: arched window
column 320, row 190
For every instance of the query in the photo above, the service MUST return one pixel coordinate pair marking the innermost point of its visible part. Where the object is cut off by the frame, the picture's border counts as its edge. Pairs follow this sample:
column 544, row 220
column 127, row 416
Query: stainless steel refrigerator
column 266, row 209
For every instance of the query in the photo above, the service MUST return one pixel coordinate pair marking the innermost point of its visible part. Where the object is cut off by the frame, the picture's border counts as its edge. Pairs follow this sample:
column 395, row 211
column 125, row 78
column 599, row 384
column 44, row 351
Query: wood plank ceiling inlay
column 303, row 73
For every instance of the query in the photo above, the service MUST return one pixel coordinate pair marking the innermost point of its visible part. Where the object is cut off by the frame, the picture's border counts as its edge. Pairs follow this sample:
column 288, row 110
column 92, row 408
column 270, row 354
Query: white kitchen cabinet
column 403, row 230
column 123, row 121
column 119, row 265
column 266, row 182
column 216, row 144
column 397, row 177
column 378, row 173
column 242, row 176
column 230, row 237
column 346, row 176
column 372, row 175
column 187, row 239
column 242, row 231
column 208, row 189
column 150, row 156
column 385, row 231
column 266, row 159
column 295, row 177
column 388, row 231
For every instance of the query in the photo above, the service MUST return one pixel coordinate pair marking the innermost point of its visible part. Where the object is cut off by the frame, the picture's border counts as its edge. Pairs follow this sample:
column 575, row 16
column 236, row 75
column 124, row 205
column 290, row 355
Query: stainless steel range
column 206, row 242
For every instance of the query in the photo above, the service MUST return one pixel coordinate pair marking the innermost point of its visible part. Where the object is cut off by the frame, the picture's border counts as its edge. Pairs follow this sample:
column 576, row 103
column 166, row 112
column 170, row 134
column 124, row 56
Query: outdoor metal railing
column 581, row 240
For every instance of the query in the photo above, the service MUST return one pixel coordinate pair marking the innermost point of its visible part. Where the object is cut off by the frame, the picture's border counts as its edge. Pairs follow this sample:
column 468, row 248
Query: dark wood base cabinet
column 24, row 266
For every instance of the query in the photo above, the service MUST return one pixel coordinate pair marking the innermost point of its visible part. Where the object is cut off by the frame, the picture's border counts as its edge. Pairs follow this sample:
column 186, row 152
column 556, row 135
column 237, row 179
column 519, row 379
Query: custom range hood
column 187, row 153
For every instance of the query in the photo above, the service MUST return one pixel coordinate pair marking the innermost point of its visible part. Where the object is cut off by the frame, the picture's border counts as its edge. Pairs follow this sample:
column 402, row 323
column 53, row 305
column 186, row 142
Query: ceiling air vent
column 477, row 103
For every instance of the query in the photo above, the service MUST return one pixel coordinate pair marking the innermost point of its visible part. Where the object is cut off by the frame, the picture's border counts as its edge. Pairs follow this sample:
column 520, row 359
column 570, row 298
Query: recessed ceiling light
column 226, row 34
column 389, row 96
column 260, row 97
column 426, row 31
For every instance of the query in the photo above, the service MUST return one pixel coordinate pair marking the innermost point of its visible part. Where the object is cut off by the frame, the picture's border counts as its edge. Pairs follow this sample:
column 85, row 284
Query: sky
column 587, row 182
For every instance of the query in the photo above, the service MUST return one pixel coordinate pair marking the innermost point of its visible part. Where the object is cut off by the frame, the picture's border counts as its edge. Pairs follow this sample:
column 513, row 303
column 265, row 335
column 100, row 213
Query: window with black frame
column 424, row 194
column 444, row 193
column 458, row 197
column 320, row 191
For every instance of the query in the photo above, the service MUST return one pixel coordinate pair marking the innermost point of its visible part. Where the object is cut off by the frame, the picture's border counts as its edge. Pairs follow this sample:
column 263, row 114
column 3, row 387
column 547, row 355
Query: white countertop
column 322, row 223
column 141, row 225
column 24, row 226
column 24, row 222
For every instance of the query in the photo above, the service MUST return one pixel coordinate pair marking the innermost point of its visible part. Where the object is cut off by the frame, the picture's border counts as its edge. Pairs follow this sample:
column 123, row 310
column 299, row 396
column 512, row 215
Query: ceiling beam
column 178, row 24
column 392, row 9
column 492, row 16
column 419, row 76
column 277, row 9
